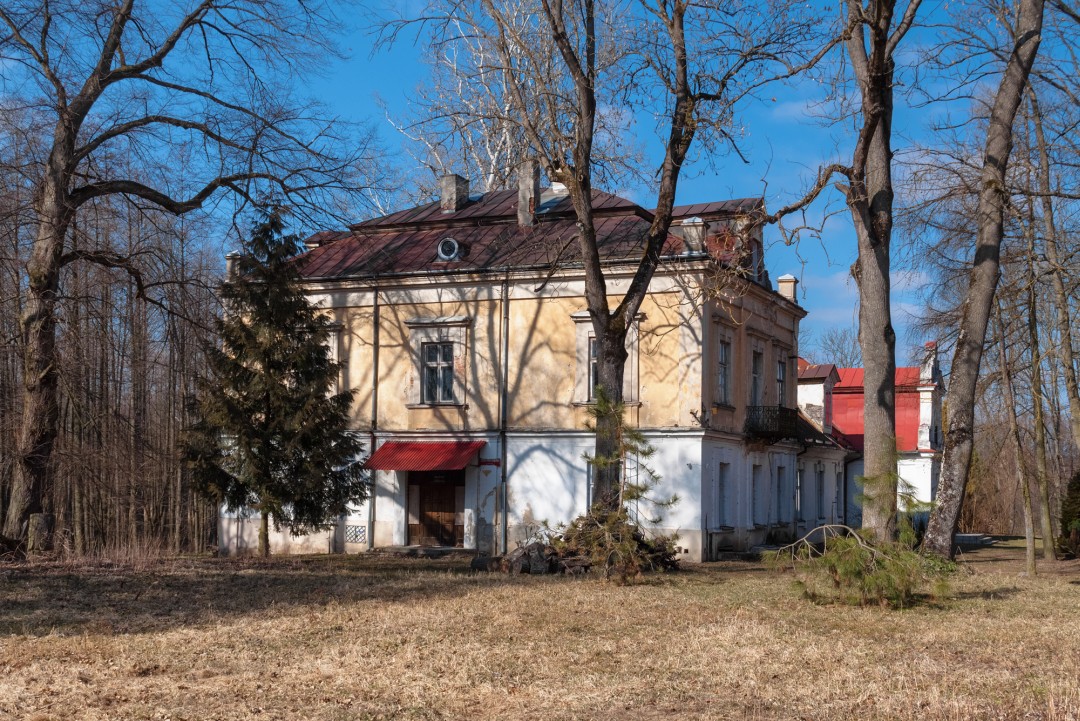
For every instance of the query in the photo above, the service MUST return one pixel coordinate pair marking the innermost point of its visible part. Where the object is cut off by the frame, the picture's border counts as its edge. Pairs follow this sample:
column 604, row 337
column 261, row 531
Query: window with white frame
column 723, row 372
column 718, row 513
column 594, row 369
column 586, row 375
column 439, row 347
column 757, row 362
column 437, row 373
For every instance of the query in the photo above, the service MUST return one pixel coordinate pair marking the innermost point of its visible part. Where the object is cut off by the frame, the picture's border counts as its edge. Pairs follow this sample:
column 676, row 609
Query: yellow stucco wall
column 675, row 352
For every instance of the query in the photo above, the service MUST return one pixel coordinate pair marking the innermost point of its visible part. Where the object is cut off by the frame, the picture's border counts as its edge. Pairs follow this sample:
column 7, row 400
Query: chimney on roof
column 528, row 192
column 928, row 371
column 693, row 232
column 453, row 192
column 786, row 286
column 230, row 264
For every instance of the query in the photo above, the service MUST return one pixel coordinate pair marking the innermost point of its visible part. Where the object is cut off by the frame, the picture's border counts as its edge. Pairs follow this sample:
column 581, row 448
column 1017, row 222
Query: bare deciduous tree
column 121, row 90
column 1026, row 28
column 570, row 77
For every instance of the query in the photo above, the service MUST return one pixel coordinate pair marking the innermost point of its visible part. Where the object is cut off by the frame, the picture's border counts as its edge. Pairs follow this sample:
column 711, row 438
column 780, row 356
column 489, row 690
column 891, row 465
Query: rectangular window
column 802, row 491
column 437, row 360
column 723, row 373
column 838, row 512
column 821, row 491
column 760, row 500
column 756, row 368
column 719, row 515
column 781, row 383
column 784, row 496
column 594, row 369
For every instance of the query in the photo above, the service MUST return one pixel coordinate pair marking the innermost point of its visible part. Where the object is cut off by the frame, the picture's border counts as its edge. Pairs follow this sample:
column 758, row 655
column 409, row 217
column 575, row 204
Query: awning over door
column 423, row 455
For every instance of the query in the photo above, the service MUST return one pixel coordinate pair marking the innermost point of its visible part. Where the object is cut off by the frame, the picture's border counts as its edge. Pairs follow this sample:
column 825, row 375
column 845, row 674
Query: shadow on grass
column 990, row 594
column 39, row 599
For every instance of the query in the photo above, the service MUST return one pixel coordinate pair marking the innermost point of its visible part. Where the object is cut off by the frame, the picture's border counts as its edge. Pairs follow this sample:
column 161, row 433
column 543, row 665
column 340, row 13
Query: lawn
column 366, row 637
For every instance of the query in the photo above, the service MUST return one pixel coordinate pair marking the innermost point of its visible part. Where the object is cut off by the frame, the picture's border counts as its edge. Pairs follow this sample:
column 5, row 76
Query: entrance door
column 436, row 508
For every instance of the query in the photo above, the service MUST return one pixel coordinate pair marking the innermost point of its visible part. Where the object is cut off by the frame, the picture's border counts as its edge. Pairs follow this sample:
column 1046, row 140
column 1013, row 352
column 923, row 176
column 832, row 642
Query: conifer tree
column 269, row 436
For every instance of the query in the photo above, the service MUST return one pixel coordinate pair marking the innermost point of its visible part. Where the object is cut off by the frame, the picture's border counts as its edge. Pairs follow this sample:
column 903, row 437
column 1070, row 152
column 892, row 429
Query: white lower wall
column 548, row 483
column 239, row 536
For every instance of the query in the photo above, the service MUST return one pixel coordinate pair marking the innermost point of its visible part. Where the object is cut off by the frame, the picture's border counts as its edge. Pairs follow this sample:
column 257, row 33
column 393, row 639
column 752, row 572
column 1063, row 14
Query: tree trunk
column 1014, row 433
column 1045, row 522
column 870, row 199
column 607, row 459
column 1059, row 294
column 264, row 534
column 41, row 410
column 982, row 282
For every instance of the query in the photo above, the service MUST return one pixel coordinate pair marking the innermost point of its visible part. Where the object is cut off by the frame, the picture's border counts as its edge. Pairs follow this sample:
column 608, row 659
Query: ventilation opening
column 449, row 249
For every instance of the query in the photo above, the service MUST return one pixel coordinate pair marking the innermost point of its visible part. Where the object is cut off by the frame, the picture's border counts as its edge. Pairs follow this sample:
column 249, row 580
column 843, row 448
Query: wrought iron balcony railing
column 770, row 423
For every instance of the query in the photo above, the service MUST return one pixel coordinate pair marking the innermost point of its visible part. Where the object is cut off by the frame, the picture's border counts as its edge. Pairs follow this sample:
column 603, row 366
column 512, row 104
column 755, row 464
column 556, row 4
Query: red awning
column 423, row 455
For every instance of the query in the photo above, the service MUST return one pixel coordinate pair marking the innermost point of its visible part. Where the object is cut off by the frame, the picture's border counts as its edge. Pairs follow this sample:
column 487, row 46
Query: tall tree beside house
column 1025, row 28
column 570, row 75
column 269, row 434
column 876, row 28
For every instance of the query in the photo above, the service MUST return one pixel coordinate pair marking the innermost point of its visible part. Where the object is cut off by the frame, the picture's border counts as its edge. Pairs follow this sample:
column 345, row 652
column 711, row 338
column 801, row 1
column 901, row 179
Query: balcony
column 770, row 423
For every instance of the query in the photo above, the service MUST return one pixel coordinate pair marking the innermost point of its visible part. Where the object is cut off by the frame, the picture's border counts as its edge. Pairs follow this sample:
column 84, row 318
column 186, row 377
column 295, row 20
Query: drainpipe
column 503, row 400
column 374, row 409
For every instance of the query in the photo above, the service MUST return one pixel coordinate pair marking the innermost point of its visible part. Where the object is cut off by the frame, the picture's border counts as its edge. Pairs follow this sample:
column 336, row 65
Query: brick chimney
column 528, row 192
column 786, row 286
column 453, row 192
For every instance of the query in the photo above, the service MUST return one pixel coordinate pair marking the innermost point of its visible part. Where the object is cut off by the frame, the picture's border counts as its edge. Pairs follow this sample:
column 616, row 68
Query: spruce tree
column 268, row 435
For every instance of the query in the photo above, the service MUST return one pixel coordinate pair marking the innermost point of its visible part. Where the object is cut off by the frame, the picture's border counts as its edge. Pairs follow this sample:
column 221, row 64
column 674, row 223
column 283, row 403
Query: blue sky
column 782, row 140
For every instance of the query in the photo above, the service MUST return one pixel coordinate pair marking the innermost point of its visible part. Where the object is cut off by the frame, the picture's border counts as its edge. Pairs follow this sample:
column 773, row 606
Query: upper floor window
column 723, row 373
column 781, row 383
column 757, row 363
column 437, row 372
column 587, row 368
column 594, row 369
column 440, row 354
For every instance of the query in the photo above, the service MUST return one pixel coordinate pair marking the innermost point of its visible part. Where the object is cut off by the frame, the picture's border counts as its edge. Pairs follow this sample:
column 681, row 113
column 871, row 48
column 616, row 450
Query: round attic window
column 449, row 249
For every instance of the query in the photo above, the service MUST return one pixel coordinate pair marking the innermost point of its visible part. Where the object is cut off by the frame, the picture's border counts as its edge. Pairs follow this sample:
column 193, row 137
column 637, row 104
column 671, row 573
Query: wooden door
column 435, row 518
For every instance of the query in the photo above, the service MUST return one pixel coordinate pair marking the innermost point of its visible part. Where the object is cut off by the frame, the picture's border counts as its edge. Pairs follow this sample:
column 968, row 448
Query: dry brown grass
column 372, row 638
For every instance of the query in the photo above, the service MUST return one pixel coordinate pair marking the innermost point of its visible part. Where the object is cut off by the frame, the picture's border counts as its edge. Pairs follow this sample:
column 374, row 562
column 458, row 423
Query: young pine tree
column 269, row 436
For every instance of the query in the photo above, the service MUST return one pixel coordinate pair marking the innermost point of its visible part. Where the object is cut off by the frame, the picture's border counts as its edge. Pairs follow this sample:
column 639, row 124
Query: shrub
column 616, row 546
column 850, row 569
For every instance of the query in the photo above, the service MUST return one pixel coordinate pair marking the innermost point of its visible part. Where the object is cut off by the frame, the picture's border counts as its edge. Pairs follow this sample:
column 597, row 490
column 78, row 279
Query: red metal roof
column 817, row 372
column 488, row 232
column 851, row 379
column 423, row 455
column 374, row 252
column 705, row 211
column 499, row 204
